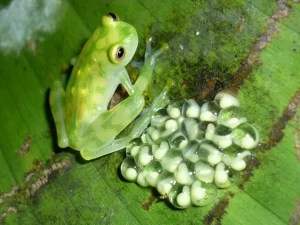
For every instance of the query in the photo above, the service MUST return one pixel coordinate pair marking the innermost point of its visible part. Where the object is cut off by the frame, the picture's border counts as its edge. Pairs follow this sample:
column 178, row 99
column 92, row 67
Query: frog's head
column 121, row 40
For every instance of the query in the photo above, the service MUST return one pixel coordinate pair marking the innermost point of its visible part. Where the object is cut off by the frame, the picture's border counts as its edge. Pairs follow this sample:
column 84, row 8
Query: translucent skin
column 80, row 112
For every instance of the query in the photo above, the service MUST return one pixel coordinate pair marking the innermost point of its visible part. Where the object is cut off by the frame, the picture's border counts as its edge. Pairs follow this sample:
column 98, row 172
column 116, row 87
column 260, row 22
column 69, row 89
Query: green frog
column 83, row 121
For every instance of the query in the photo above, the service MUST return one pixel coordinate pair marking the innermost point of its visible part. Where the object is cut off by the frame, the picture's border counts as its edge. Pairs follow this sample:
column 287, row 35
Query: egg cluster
column 190, row 151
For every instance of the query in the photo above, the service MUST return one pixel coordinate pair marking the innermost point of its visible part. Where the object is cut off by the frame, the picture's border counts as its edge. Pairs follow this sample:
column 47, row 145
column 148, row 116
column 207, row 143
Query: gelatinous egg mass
column 188, row 152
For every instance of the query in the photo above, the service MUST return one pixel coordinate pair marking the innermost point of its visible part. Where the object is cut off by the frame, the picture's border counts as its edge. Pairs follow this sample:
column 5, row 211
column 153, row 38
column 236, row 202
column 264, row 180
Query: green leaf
column 213, row 47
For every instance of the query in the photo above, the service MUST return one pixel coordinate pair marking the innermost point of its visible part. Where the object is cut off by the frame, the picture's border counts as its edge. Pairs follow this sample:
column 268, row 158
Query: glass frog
column 83, row 121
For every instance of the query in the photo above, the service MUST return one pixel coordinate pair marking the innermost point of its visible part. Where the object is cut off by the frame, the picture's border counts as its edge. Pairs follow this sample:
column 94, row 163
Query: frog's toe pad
column 87, row 154
column 164, row 46
column 148, row 38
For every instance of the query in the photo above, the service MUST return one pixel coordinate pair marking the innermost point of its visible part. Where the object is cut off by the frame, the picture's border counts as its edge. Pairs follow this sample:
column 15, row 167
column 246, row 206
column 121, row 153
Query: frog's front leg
column 57, row 104
column 125, row 81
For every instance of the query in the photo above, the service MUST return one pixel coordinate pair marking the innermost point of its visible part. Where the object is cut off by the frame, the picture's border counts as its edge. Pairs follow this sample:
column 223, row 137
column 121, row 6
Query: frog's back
column 87, row 93
column 94, row 78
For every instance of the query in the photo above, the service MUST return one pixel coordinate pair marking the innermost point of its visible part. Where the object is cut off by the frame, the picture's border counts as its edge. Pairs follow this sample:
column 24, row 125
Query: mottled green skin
column 80, row 113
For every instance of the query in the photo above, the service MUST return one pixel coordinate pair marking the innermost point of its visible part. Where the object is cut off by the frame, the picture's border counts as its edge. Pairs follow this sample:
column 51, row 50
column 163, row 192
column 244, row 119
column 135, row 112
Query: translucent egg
column 159, row 118
column 160, row 151
column 209, row 152
column 190, row 128
column 238, row 162
column 144, row 156
column 224, row 176
column 141, row 179
column 184, row 174
column 172, row 159
column 209, row 112
column 222, row 136
column 246, row 136
column 173, row 111
column 225, row 100
column 133, row 147
column 165, row 182
column 204, row 172
column 179, row 196
column 129, row 169
column 178, row 140
column 203, row 194
column 190, row 152
column 191, row 109
column 151, row 172
column 231, row 117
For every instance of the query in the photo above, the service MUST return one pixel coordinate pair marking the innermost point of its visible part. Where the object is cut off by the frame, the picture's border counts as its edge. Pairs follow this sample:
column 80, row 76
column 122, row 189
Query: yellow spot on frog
column 83, row 91
column 92, row 69
column 73, row 90
column 99, row 56
column 101, row 43
column 78, row 72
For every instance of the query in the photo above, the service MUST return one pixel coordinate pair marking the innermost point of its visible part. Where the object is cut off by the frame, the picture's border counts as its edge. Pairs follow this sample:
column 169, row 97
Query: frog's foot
column 154, row 55
column 149, row 53
column 74, row 60
column 57, row 99
column 139, row 64
column 163, row 48
column 159, row 102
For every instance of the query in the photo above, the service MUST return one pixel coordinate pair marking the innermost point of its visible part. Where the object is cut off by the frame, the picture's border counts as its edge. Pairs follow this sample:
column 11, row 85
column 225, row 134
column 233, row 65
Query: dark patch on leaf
column 295, row 218
column 245, row 70
column 276, row 132
column 217, row 212
column 248, row 172
column 25, row 147
column 146, row 206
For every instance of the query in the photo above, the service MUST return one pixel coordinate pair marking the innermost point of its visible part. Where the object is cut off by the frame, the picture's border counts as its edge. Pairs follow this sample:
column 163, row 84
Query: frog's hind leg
column 93, row 151
column 57, row 103
column 106, row 127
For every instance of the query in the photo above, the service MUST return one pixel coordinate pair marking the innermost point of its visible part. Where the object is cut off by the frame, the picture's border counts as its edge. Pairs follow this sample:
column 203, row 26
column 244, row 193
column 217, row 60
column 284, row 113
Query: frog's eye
column 113, row 16
column 120, row 53
column 116, row 54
